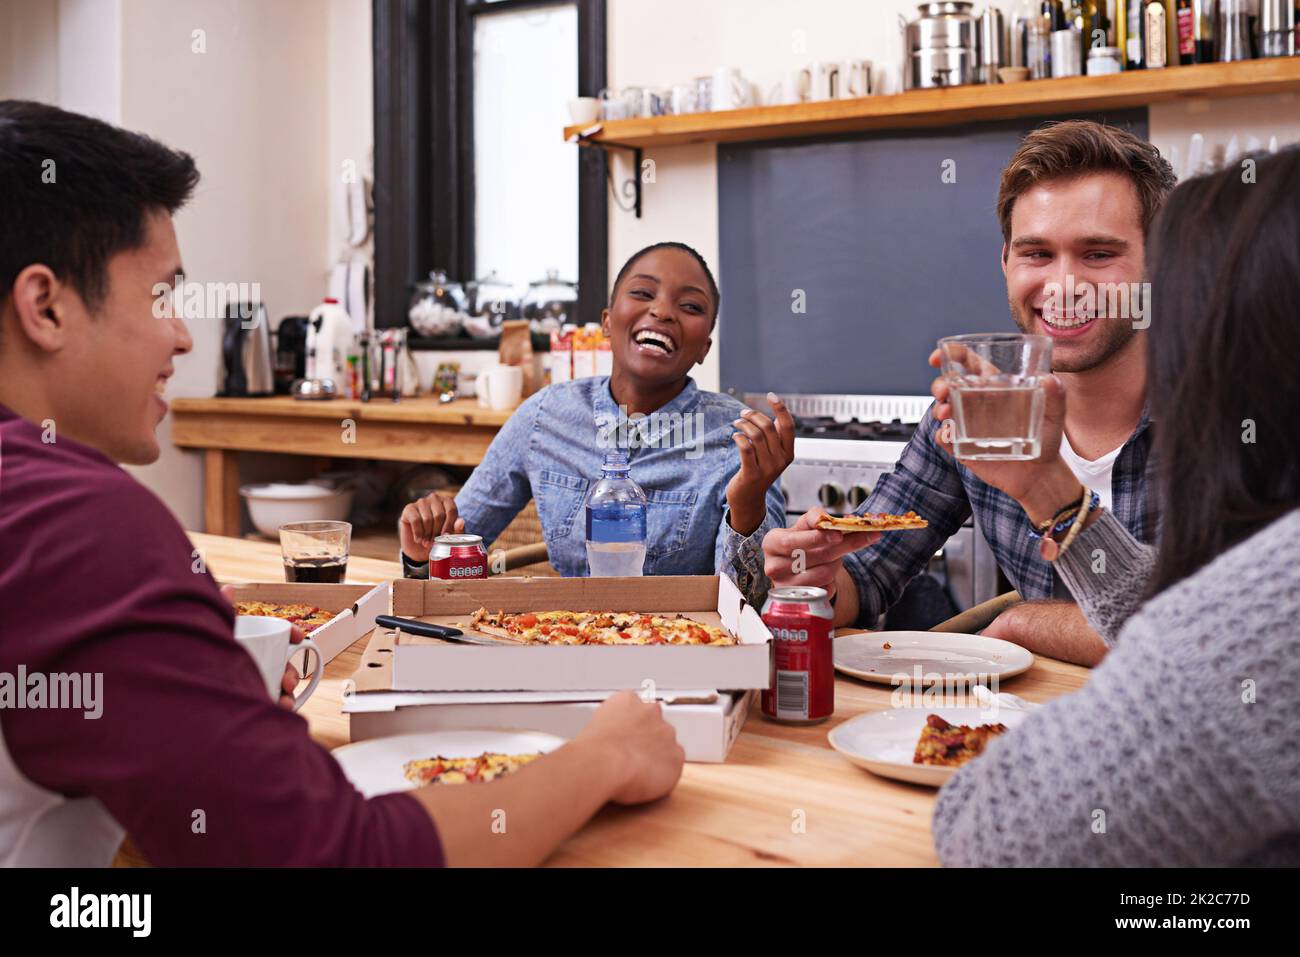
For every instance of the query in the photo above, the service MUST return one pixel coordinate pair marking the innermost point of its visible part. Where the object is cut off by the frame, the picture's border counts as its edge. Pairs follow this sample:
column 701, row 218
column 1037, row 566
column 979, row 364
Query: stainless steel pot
column 941, row 47
column 945, row 25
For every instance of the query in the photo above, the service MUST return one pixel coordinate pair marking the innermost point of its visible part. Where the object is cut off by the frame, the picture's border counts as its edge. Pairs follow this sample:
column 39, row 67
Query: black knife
column 428, row 630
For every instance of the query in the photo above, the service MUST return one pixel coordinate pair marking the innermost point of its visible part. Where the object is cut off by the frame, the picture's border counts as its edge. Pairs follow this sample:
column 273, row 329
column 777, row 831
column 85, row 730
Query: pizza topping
column 950, row 745
column 589, row 628
column 486, row 767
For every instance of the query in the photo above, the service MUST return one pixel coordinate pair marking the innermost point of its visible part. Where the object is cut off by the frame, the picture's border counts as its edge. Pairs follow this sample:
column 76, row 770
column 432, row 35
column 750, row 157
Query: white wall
column 28, row 28
column 662, row 42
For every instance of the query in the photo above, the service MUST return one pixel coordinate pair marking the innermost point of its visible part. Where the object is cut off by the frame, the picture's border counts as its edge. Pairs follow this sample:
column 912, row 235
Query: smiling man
column 185, row 750
column 1074, row 205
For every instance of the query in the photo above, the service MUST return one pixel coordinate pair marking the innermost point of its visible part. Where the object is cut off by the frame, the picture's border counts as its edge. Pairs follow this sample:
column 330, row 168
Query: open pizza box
column 707, row 722
column 430, row 664
column 355, row 608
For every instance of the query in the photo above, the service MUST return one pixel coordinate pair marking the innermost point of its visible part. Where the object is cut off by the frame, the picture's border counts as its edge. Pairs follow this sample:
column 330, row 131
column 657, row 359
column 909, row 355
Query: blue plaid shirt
column 931, row 482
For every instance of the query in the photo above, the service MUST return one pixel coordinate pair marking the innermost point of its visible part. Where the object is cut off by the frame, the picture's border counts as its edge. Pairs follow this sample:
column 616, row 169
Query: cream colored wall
column 25, row 72
column 661, row 42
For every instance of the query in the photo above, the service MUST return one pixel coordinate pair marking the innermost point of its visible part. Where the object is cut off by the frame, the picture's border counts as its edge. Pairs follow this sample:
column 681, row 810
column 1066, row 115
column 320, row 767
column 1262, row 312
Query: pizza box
column 706, row 722
column 355, row 608
column 429, row 664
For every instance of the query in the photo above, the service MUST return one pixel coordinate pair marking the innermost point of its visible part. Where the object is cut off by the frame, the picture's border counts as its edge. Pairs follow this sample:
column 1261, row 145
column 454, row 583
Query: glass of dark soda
column 315, row 551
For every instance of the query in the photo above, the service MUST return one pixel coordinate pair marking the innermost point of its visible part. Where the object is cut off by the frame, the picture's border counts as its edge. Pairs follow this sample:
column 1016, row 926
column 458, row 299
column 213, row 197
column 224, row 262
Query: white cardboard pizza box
column 706, row 722
column 428, row 664
column 355, row 608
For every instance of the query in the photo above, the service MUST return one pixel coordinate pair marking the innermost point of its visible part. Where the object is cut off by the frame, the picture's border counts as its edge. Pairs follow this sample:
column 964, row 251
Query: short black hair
column 680, row 247
column 75, row 191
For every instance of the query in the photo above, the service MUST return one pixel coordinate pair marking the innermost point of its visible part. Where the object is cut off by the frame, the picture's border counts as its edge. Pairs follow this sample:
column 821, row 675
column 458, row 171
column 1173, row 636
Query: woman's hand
column 289, row 680
column 425, row 520
column 1041, row 486
column 766, row 448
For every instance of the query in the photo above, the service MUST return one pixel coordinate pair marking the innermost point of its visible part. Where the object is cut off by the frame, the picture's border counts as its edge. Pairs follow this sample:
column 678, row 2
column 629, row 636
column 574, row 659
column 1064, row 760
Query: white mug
column 267, row 640
column 500, row 387
column 795, row 87
column 825, row 81
column 584, row 110
column 731, row 91
column 855, row 79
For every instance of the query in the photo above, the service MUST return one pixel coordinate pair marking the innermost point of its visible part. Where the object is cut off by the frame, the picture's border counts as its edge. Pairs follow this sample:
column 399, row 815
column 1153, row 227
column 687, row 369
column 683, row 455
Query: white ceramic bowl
column 584, row 110
column 273, row 504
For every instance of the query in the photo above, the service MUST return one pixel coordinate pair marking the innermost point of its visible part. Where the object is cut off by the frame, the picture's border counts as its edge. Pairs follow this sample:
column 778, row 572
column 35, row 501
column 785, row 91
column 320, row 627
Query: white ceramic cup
column 584, row 110
column 731, row 91
column 500, row 387
column 267, row 640
column 825, row 81
column 855, row 79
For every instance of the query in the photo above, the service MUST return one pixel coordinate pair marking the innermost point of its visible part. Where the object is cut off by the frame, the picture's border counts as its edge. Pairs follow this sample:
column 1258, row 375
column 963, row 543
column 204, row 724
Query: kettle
column 246, row 351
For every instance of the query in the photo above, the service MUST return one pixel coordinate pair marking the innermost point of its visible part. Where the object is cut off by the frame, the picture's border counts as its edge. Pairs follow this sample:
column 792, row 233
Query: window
column 471, row 173
column 525, row 175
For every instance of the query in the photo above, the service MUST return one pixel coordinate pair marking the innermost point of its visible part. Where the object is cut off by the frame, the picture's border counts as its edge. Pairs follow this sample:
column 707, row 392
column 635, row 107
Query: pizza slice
column 597, row 628
column 872, row 522
column 306, row 617
column 952, row 745
column 485, row 767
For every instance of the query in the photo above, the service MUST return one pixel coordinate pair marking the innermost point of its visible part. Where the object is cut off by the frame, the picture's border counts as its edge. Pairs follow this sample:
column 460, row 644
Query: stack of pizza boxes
column 408, row 683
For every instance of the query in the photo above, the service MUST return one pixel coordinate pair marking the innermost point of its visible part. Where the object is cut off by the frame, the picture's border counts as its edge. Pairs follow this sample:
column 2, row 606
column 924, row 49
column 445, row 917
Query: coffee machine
column 246, row 368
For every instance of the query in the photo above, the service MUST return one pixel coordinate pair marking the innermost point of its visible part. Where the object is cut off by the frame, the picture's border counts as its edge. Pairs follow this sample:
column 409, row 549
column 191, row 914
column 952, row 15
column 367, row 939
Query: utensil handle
column 422, row 628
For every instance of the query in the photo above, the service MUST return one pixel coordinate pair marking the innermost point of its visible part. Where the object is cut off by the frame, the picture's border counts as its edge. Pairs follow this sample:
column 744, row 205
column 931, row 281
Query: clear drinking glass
column 315, row 551
column 996, row 394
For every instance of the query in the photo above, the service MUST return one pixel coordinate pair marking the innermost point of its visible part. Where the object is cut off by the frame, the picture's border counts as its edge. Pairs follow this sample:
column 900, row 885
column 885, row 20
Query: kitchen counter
column 421, row 430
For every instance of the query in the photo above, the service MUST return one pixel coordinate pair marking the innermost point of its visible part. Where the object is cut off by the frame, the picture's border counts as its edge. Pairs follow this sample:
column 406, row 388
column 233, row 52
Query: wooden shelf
column 959, row 104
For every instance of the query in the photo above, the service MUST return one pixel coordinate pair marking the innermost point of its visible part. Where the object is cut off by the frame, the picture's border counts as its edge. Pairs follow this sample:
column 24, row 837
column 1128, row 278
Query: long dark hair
column 1224, row 345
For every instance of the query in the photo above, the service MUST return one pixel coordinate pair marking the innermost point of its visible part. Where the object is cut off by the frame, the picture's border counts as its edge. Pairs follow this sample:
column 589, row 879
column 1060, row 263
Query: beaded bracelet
column 1072, row 512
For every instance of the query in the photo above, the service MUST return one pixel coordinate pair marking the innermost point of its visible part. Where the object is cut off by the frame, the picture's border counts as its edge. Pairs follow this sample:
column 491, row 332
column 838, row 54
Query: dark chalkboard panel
column 889, row 257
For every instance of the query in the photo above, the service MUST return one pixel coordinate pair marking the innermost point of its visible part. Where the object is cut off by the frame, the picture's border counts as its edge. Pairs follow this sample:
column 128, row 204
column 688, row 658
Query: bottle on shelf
column 616, row 521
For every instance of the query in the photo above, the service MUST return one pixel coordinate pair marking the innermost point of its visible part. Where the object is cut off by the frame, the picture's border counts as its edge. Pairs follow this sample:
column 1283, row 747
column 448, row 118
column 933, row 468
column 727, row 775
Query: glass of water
column 996, row 393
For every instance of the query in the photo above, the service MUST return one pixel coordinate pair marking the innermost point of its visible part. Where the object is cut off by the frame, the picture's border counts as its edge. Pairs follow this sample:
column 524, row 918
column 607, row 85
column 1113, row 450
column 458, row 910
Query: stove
column 844, row 445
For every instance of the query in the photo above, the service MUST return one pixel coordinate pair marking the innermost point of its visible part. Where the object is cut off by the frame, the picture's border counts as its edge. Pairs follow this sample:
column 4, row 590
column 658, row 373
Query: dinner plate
column 375, row 766
column 939, row 655
column 883, row 742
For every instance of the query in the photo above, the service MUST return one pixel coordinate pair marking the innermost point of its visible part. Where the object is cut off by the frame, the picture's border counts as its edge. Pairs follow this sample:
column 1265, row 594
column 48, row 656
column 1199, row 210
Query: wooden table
column 745, row 812
column 413, row 430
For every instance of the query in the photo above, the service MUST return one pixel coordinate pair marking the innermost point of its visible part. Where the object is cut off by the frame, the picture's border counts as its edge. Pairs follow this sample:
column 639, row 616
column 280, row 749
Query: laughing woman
column 709, row 465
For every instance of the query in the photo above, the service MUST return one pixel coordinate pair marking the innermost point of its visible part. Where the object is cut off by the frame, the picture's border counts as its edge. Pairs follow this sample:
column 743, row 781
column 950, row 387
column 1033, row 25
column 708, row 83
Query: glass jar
column 550, row 303
column 437, row 306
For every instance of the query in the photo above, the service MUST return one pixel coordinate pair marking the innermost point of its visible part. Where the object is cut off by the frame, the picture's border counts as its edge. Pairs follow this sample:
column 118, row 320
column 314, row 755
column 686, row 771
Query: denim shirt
column 682, row 455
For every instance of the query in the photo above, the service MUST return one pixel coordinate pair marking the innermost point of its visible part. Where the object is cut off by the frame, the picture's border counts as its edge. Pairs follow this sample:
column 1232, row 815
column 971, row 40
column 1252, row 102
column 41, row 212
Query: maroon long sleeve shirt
column 97, row 576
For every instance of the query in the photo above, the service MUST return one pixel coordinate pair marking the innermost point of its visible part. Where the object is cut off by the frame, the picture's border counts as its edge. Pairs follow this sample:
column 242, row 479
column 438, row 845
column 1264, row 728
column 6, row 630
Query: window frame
column 424, row 190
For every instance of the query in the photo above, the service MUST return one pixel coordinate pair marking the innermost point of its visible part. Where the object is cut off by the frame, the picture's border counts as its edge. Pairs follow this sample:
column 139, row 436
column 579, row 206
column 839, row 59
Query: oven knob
column 830, row 495
column 857, row 495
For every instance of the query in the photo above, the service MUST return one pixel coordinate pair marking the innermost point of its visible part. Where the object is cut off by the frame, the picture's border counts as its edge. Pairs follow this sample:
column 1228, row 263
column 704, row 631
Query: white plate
column 884, row 741
column 940, row 656
column 375, row 766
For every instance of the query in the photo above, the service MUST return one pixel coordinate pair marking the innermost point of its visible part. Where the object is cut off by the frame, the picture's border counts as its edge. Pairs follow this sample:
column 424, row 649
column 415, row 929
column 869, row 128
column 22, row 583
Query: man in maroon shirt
column 183, row 749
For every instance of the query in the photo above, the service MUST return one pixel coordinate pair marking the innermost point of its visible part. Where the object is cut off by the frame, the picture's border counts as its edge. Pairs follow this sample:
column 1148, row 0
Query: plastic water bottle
column 616, row 509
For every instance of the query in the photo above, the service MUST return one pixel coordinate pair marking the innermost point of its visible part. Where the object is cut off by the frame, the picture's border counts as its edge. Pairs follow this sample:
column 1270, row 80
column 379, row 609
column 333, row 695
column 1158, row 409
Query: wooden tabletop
column 783, row 797
column 425, row 409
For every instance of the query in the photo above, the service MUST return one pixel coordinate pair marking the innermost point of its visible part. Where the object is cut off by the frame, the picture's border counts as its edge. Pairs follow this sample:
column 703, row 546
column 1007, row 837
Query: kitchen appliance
column 940, row 47
column 844, row 445
column 246, row 351
column 290, row 353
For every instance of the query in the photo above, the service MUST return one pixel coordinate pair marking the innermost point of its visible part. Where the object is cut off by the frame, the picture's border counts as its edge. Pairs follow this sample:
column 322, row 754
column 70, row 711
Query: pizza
column 598, row 628
column 486, row 767
column 872, row 522
column 952, row 745
column 306, row 617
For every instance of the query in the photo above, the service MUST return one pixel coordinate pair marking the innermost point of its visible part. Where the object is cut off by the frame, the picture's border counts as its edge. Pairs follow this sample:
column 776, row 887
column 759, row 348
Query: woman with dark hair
column 1179, row 751
column 708, row 465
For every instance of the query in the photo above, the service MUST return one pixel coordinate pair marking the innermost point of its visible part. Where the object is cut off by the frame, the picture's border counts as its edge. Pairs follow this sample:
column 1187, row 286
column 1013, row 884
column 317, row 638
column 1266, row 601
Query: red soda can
column 458, row 557
column 803, row 683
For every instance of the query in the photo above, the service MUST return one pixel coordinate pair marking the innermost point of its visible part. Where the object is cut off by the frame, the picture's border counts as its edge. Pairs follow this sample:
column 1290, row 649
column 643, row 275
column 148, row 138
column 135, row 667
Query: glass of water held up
column 996, row 392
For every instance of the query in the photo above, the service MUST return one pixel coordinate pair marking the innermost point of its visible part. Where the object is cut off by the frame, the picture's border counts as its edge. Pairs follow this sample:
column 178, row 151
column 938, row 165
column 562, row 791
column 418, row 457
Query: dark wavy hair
column 680, row 247
column 1224, row 258
column 76, row 191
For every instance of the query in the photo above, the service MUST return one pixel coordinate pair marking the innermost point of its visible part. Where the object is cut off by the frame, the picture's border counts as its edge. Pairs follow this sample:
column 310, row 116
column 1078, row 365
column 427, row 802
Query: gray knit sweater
column 1184, row 746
